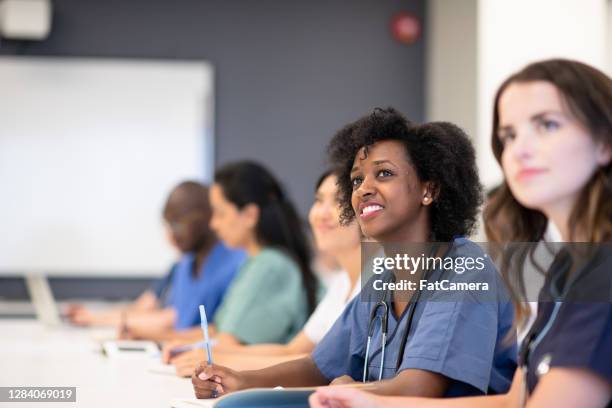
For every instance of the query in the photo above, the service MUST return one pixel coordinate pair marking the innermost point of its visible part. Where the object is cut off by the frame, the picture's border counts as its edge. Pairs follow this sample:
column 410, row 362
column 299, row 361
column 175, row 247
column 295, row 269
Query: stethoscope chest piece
column 544, row 365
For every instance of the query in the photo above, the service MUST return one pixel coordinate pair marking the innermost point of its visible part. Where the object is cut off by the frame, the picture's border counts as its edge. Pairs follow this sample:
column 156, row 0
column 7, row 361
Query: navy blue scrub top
column 581, row 333
column 466, row 340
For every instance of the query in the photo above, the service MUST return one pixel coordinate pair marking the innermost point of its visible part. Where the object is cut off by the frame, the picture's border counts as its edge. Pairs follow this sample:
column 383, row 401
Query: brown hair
column 587, row 93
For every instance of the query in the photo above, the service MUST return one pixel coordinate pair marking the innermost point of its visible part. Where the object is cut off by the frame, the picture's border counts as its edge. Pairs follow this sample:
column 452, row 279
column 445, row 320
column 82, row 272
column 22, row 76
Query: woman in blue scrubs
column 411, row 184
column 552, row 135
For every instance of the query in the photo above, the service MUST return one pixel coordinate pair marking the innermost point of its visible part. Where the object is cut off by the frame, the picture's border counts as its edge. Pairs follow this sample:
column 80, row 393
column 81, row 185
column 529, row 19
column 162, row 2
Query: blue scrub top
column 466, row 339
column 208, row 288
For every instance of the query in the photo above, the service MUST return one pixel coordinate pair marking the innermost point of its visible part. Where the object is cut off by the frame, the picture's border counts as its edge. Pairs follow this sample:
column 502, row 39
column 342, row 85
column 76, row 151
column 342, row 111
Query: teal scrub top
column 266, row 302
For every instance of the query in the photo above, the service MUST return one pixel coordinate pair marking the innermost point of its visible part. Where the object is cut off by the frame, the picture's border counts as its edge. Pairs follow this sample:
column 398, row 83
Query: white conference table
column 32, row 355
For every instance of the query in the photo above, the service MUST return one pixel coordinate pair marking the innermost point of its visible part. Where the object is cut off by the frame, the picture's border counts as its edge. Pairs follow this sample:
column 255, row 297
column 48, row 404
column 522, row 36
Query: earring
column 426, row 200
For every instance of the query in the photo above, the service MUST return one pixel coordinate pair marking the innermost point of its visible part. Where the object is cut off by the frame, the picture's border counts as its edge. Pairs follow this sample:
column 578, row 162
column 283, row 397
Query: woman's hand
column 186, row 363
column 138, row 329
column 169, row 352
column 345, row 379
column 341, row 397
column 211, row 381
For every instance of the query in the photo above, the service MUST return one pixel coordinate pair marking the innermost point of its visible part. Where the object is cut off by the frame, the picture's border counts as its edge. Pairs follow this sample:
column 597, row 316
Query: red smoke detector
column 405, row 27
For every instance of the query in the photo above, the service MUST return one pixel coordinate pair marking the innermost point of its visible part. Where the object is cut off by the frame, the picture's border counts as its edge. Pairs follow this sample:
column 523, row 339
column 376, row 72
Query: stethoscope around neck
column 384, row 326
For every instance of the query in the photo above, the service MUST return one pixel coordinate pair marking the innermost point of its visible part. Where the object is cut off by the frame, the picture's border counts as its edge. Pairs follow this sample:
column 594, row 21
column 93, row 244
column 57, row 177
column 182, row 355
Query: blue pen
column 204, row 324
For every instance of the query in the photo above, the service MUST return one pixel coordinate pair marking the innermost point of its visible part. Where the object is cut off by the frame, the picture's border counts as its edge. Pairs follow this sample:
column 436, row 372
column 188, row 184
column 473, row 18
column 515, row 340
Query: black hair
column 279, row 226
column 186, row 197
column 440, row 152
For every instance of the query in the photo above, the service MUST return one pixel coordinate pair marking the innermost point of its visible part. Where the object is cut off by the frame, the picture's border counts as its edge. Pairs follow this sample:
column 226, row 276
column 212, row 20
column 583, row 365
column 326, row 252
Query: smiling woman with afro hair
column 440, row 153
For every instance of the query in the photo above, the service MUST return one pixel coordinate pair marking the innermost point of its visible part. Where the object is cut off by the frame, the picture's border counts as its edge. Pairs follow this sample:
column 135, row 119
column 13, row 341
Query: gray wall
column 288, row 73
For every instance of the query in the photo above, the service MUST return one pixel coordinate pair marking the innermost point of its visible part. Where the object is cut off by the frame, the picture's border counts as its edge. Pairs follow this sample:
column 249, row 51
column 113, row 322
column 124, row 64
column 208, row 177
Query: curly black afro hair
column 440, row 152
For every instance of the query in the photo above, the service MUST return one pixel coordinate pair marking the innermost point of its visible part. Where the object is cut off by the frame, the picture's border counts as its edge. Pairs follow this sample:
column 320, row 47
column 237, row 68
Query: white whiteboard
column 89, row 149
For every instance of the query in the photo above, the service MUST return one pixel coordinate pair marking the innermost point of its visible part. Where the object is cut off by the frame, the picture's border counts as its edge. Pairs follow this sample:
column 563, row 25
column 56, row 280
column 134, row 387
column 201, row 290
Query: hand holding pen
column 204, row 325
column 210, row 381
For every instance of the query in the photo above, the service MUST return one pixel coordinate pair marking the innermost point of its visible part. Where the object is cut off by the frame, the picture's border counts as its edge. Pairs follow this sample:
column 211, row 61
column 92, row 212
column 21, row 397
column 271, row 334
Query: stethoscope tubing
column 384, row 330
